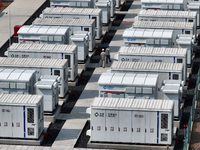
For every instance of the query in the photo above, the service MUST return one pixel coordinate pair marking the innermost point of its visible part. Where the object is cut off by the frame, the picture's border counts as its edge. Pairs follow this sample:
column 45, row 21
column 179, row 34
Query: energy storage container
column 123, row 120
column 81, row 39
column 173, row 91
column 21, row 116
column 148, row 37
column 72, row 3
column 177, row 27
column 51, row 51
column 105, row 7
column 186, row 41
column 164, row 5
column 171, row 71
column 112, row 6
column 42, row 66
column 174, row 16
column 128, row 85
column 77, row 13
column 44, row 34
column 153, row 54
column 17, row 81
column 74, row 24
column 50, row 92
column 194, row 6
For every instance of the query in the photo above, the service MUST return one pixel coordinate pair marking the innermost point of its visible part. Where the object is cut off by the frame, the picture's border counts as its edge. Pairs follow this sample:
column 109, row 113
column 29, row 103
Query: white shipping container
column 74, row 24
column 164, row 5
column 186, row 41
column 148, row 37
column 50, row 51
column 21, row 116
column 173, row 16
column 194, row 6
column 152, row 54
column 43, row 66
column 131, row 121
column 44, row 34
column 128, row 85
column 171, row 71
column 112, row 6
column 77, row 13
column 72, row 3
column 50, row 92
column 177, row 27
column 105, row 7
column 17, row 81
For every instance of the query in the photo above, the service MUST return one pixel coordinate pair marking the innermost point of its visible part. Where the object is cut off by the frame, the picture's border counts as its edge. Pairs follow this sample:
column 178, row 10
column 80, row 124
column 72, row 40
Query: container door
column 112, row 126
column 6, row 121
column 30, row 124
column 151, row 127
column 165, row 130
column 138, row 127
column 97, row 125
column 125, row 126
column 18, row 119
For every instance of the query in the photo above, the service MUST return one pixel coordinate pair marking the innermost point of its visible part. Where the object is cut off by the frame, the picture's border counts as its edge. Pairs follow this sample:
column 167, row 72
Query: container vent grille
column 30, row 115
column 164, row 121
column 30, row 131
column 164, row 137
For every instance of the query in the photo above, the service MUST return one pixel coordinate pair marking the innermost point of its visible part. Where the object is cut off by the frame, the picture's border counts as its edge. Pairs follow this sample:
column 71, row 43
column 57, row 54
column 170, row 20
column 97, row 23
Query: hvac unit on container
column 178, row 27
column 51, row 67
column 21, row 116
column 77, row 13
column 50, row 92
column 173, row 90
column 153, row 54
column 105, row 7
column 44, row 34
column 174, row 16
column 72, row 3
column 148, row 37
column 111, row 6
column 195, row 7
column 128, row 85
column 81, row 39
column 17, row 81
column 144, row 121
column 74, row 24
column 171, row 71
column 186, row 41
column 163, row 5
column 53, row 51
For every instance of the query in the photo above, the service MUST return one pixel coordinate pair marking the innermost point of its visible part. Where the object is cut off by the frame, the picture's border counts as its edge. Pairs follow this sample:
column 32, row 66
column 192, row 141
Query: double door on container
column 128, row 127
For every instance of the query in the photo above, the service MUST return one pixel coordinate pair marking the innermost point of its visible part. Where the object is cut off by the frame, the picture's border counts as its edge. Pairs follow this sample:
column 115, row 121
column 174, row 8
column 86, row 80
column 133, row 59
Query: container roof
column 20, row 99
column 16, row 75
column 152, row 51
column 64, row 22
column 147, row 66
column 32, row 62
column 163, row 1
column 48, row 30
column 163, row 24
column 132, row 104
column 42, row 47
column 128, row 79
column 66, row 10
column 164, row 13
column 147, row 33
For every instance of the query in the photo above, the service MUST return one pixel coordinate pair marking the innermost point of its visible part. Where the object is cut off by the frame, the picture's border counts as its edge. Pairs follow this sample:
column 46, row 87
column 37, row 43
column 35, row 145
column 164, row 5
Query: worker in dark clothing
column 107, row 54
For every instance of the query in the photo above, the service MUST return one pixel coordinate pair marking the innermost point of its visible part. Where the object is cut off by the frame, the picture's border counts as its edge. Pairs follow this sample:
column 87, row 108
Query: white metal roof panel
column 20, row 99
column 117, row 78
column 133, row 104
column 140, row 79
column 105, row 78
column 128, row 78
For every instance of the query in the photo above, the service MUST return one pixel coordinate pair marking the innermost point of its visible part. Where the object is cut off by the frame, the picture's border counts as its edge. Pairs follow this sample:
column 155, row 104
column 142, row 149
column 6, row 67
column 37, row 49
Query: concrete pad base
column 30, row 142
column 74, row 83
column 129, row 146
column 85, row 65
column 177, row 123
column 52, row 117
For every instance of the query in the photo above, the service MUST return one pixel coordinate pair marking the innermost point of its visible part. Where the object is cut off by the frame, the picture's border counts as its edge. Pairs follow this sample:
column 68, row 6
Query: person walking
column 107, row 54
column 103, row 56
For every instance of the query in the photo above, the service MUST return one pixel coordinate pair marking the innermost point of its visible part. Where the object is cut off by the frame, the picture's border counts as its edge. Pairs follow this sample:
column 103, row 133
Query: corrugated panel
column 20, row 99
